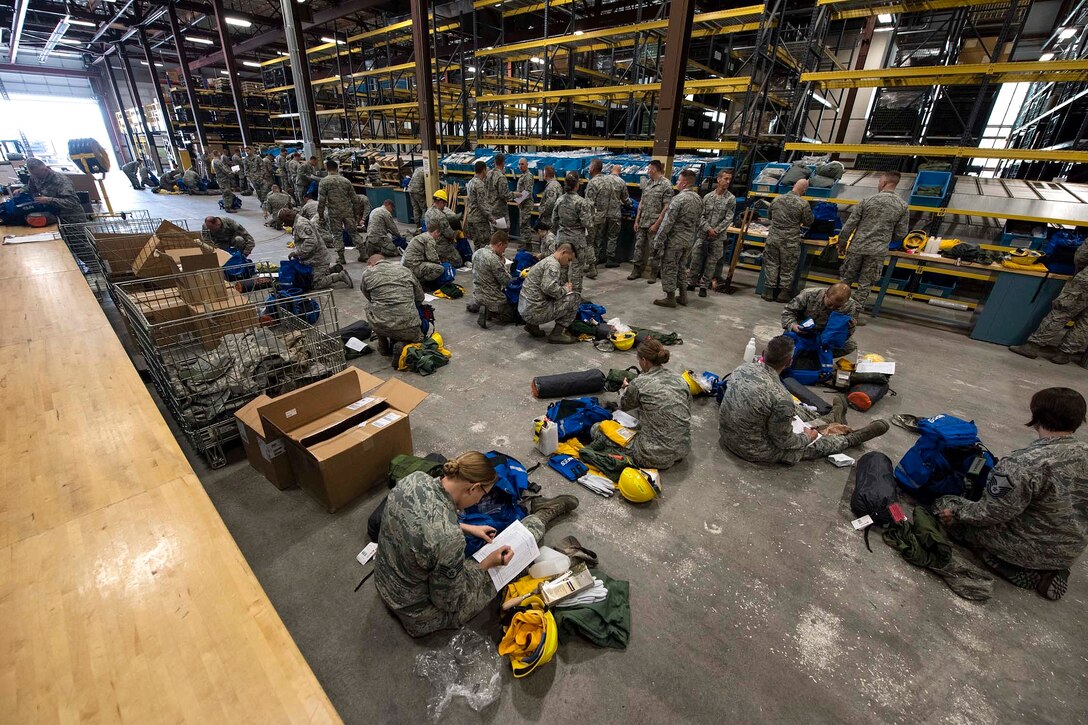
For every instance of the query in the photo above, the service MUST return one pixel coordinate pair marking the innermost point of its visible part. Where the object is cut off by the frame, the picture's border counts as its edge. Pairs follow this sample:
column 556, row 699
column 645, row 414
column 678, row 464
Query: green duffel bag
column 614, row 380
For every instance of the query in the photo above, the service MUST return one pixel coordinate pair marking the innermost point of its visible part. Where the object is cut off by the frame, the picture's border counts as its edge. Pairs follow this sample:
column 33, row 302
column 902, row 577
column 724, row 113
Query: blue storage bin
column 942, row 179
column 767, row 188
column 830, row 192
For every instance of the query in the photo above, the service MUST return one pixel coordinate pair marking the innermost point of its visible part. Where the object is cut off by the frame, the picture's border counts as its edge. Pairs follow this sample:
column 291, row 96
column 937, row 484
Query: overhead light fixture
column 885, row 18
column 157, row 63
column 1046, row 56
column 224, row 73
column 578, row 32
column 64, row 54
column 884, row 29
column 472, row 69
column 54, row 38
column 251, row 64
column 84, row 23
column 237, row 21
column 820, row 99
column 1067, row 33
column 332, row 40
column 538, row 61
column 202, row 41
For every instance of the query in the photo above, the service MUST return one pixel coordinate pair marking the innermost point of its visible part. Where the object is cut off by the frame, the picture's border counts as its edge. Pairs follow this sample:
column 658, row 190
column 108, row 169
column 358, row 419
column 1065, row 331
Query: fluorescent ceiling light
column 824, row 101
column 472, row 69
column 251, row 64
column 64, row 54
column 157, row 64
column 331, row 40
column 1046, row 56
column 84, row 23
column 54, row 38
column 223, row 72
column 1067, row 33
column 238, row 21
column 202, row 41
column 280, row 52
column 885, row 29
column 538, row 61
column 885, row 18
column 578, row 32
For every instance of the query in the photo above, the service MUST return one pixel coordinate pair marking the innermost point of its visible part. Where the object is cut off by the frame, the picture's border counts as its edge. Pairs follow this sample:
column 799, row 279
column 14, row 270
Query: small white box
column 841, row 460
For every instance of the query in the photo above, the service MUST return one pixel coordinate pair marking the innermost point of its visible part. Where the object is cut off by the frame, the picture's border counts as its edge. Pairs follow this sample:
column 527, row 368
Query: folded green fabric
column 605, row 624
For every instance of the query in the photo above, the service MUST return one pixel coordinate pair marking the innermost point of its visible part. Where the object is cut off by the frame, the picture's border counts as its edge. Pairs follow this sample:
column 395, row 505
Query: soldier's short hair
column 543, row 225
column 500, row 237
column 595, row 165
column 689, row 175
column 479, row 166
column 331, row 165
column 891, row 176
column 1060, row 410
column 549, row 171
column 499, row 159
column 566, row 247
column 657, row 164
column 779, row 351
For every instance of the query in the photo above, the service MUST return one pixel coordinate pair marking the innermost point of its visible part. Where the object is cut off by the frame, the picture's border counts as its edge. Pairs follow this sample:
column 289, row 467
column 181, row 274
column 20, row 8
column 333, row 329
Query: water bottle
column 750, row 351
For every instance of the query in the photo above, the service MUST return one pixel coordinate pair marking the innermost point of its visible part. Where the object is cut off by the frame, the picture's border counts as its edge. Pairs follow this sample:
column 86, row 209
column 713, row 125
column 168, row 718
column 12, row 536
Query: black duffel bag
column 806, row 395
column 568, row 385
column 874, row 488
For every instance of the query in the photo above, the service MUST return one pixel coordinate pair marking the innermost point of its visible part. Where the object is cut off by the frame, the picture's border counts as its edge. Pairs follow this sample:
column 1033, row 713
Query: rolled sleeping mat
column 806, row 395
column 567, row 385
column 863, row 396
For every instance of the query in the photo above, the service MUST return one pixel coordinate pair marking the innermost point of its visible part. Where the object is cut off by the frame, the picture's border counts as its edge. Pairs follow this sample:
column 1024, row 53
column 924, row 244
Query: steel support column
column 133, row 149
column 852, row 94
column 167, row 124
column 677, row 44
column 108, row 119
column 127, row 67
column 187, row 75
column 232, row 70
column 300, row 75
column 425, row 93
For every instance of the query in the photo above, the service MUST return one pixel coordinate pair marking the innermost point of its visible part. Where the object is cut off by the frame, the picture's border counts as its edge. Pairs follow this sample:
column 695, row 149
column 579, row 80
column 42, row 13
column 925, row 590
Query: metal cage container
column 211, row 347
column 77, row 238
column 116, row 245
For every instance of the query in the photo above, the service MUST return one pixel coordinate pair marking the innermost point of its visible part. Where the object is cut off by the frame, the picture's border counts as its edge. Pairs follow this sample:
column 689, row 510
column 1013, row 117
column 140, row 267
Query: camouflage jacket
column 664, row 418
column 655, row 197
column 489, row 278
column 291, row 169
column 310, row 247
column 393, row 293
column 479, row 201
column 552, row 191
column 421, row 559
column 718, row 212
column 306, row 174
column 601, row 193
column 683, row 219
column 275, row 201
column 309, row 210
column 59, row 188
column 546, row 282
column 810, row 304
column 547, row 245
column 875, row 223
column 254, row 168
column 228, row 234
column 417, row 185
column 622, row 196
column 379, row 224
column 525, row 183
column 191, row 179
column 268, row 169
column 499, row 187
column 335, row 194
column 789, row 213
column 361, row 207
column 1034, row 512
column 436, row 218
column 421, row 248
column 221, row 169
column 572, row 216
column 756, row 417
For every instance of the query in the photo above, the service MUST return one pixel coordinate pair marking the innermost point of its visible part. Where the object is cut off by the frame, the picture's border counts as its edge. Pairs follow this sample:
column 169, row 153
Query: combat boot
column 341, row 258
column 635, row 274
column 702, row 291
column 783, row 296
column 561, row 336
column 682, row 297
column 383, row 346
column 534, row 330
column 668, row 301
column 611, row 264
column 549, row 509
column 839, row 407
column 482, row 319
column 1028, row 350
column 398, row 348
column 874, row 430
column 767, row 296
column 1060, row 358
column 346, row 279
column 473, row 307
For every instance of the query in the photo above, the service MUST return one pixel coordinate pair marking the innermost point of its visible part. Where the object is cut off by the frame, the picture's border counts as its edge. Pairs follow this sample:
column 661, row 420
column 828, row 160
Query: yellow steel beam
column 1076, row 157
column 966, row 74
column 706, row 85
column 870, row 9
column 388, row 107
column 611, row 143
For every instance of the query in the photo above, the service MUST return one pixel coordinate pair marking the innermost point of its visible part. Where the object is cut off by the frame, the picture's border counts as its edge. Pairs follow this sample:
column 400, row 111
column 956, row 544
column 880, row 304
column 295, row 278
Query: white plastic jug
column 750, row 351
column 549, row 563
column 547, row 441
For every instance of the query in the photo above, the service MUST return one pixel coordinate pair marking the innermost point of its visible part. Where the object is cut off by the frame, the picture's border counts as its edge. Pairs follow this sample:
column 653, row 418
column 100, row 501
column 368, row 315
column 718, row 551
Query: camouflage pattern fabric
column 544, row 295
column 417, row 194
column 421, row 258
column 222, row 172
column 272, row 204
column 237, row 176
column 809, row 303
column 420, row 571
column 65, row 202
column 309, row 210
column 551, row 193
column 336, row 208
column 478, row 218
column 393, row 293
column 664, row 430
column 571, row 218
column 306, row 173
column 380, row 230
column 682, row 222
column 500, row 194
column 489, row 279
column 191, row 181
column 1034, row 511
column 232, row 234
column 362, row 209
column 599, row 192
column 254, row 170
column 311, row 250
column 789, row 213
column 130, row 170
column 436, row 218
column 167, row 180
column 1070, row 305
column 864, row 269
column 707, row 253
column 291, row 169
column 547, row 245
column 875, row 223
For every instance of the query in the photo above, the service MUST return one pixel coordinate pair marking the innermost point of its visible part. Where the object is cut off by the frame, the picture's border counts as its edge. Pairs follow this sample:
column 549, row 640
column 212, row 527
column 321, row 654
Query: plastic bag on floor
column 467, row 667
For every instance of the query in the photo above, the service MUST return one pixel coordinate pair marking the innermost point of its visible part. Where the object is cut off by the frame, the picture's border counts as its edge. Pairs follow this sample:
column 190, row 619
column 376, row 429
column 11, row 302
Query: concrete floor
column 752, row 597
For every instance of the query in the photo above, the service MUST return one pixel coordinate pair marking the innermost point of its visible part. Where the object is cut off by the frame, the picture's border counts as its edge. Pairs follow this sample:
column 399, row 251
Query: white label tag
column 976, row 466
column 367, row 553
column 360, row 403
column 355, row 344
column 271, row 449
column 861, row 523
column 291, row 413
column 242, row 431
column 386, row 420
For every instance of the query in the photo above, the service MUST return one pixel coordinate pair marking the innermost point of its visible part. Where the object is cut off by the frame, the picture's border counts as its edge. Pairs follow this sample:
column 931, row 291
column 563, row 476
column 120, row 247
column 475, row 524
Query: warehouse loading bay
column 177, row 548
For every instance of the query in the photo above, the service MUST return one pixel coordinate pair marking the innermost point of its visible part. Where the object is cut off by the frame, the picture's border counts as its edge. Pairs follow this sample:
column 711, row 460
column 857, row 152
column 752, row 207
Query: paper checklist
column 521, row 542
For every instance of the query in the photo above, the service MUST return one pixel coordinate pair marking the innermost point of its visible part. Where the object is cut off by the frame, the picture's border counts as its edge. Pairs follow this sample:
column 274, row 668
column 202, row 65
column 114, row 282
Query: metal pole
column 107, row 118
column 300, row 73
column 130, row 137
column 232, row 70
column 425, row 93
column 187, row 75
column 167, row 125
column 671, row 100
column 127, row 67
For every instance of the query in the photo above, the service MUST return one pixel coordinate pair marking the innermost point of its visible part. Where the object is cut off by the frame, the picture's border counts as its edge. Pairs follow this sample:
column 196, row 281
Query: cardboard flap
column 316, row 400
column 195, row 260
column 401, row 395
column 171, row 228
column 250, row 414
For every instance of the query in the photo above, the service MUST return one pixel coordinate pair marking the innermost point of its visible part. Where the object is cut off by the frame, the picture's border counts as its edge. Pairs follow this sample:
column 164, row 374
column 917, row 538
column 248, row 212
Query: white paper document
column 27, row 238
column 886, row 368
column 355, row 344
column 429, row 298
column 521, row 197
column 521, row 542
column 799, row 426
column 500, row 223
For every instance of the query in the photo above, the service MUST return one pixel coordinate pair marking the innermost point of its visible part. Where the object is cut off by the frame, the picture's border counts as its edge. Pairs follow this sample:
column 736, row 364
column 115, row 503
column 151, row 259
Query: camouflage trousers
column 479, row 233
column 577, row 270
column 780, row 265
column 405, row 334
column 428, row 272
column 340, row 222
column 227, row 195
column 380, row 245
column 866, row 270
column 706, row 255
column 563, row 311
column 425, row 618
column 259, row 189
column 324, row 279
column 643, row 251
column 1071, row 304
column 675, row 257
column 604, row 236
column 419, row 206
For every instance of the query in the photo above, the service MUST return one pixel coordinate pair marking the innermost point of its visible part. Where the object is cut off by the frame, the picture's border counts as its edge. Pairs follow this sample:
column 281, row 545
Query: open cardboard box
column 342, row 432
column 267, row 454
column 213, row 320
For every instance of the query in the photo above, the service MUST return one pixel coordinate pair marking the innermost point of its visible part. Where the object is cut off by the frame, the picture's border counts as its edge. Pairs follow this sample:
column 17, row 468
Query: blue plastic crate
column 830, row 192
column 942, row 179
column 767, row 188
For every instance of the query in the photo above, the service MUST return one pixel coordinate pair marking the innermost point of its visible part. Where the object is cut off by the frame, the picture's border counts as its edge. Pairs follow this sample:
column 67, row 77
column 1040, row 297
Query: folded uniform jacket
column 450, row 291
column 606, row 623
column 665, row 338
column 923, row 544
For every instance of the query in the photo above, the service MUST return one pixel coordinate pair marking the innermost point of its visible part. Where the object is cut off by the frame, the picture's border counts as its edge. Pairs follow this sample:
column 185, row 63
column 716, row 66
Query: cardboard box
column 152, row 261
column 269, row 456
column 342, row 432
column 232, row 315
column 204, row 287
column 119, row 251
column 167, row 314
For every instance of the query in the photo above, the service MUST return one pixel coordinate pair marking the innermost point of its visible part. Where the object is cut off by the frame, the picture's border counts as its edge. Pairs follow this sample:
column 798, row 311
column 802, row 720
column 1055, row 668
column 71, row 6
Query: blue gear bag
column 499, row 506
column 948, row 459
column 832, row 337
column 575, row 416
column 238, row 266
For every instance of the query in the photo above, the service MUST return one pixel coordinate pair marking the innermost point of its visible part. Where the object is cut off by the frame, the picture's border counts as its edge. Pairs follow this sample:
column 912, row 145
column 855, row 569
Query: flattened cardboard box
column 232, row 315
column 342, row 432
column 267, row 454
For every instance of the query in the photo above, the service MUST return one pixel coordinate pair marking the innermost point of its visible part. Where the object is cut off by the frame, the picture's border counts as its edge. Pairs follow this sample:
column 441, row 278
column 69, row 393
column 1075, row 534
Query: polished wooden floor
column 123, row 598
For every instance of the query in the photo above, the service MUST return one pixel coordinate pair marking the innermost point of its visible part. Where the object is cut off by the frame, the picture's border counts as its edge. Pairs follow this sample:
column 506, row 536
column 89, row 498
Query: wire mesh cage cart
column 76, row 237
column 212, row 346
column 142, row 247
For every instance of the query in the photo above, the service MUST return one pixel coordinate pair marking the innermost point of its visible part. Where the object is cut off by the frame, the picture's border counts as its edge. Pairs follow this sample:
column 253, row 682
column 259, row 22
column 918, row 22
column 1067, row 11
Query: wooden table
column 123, row 595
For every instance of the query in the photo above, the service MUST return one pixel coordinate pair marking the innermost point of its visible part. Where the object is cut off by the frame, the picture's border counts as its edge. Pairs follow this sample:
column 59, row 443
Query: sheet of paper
column 518, row 538
column 886, row 368
column 521, row 197
column 429, row 298
column 500, row 223
column 355, row 344
column 24, row 239
column 799, row 426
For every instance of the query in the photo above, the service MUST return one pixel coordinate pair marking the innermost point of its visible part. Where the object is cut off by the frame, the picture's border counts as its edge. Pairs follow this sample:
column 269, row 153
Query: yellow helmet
column 437, row 337
column 915, row 240
column 622, row 340
column 872, row 357
column 692, row 380
column 532, row 637
column 844, row 365
column 441, row 194
column 635, row 486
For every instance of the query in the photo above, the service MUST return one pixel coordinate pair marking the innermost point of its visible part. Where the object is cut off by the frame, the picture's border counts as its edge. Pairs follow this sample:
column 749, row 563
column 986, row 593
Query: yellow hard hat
column 441, row 194
column 532, row 637
column 437, row 337
column 844, row 365
column 915, row 240
column 635, row 486
column 622, row 340
column 872, row 357
column 692, row 380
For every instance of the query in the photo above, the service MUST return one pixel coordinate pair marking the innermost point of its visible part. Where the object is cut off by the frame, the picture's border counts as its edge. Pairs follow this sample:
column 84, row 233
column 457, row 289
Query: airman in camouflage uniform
column 548, row 242
column 221, row 169
column 525, row 182
column 479, row 204
column 1070, row 304
column 683, row 220
column 57, row 192
column 167, row 180
column 664, row 430
column 817, row 304
column 572, row 219
column 380, row 230
column 191, row 181
column 437, row 218
column 310, row 249
column 417, row 194
column 275, row 201
column 307, row 172
column 608, row 193
column 280, row 164
column 268, row 173
column 226, row 233
column 789, row 212
column 255, row 175
column 362, row 210
column 874, row 223
column 500, row 194
column 551, row 193
column 546, row 295
column 719, row 208
column 237, row 177
column 291, row 169
column 336, row 208
column 1032, row 515
column 394, row 294
column 421, row 257
column 656, row 193
column 489, row 280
